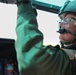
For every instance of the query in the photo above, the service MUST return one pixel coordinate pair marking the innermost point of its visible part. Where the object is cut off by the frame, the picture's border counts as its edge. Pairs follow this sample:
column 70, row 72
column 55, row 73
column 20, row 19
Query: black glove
column 23, row 1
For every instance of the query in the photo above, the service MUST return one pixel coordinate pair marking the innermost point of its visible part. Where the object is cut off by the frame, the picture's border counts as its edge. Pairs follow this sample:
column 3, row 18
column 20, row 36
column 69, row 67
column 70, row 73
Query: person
column 33, row 57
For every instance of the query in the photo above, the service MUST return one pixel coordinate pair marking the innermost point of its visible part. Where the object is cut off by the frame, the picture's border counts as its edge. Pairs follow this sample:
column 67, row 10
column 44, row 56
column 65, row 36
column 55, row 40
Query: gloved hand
column 23, row 1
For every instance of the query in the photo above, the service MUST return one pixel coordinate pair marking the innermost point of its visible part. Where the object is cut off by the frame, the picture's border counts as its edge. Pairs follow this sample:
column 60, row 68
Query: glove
column 23, row 1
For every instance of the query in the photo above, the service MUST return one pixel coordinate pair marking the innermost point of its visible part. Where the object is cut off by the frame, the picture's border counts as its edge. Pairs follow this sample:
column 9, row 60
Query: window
column 47, row 22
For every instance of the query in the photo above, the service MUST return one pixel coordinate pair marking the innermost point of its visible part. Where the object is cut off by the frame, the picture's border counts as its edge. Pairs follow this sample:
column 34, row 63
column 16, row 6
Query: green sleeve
column 29, row 38
column 34, row 58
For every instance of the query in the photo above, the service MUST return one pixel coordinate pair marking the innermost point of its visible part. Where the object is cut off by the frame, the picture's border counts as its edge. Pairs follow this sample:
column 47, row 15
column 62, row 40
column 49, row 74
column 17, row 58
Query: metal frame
column 8, row 1
column 46, row 7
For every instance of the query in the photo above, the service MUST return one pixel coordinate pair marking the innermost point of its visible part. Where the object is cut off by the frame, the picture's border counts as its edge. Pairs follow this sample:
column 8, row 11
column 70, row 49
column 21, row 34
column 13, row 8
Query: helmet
column 69, row 6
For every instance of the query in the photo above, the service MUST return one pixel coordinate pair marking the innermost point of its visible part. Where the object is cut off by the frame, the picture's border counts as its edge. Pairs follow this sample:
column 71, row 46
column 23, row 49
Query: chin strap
column 69, row 42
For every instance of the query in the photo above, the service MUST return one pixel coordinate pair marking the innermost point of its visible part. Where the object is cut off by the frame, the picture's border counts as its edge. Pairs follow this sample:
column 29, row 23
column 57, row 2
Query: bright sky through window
column 7, row 20
column 47, row 23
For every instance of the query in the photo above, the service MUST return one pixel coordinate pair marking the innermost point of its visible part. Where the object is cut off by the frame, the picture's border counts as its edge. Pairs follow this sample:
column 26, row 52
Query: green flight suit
column 33, row 57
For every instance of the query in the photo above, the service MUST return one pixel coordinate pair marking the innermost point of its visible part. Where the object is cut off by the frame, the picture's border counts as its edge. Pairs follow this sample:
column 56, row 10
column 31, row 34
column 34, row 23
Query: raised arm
column 29, row 38
column 34, row 58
